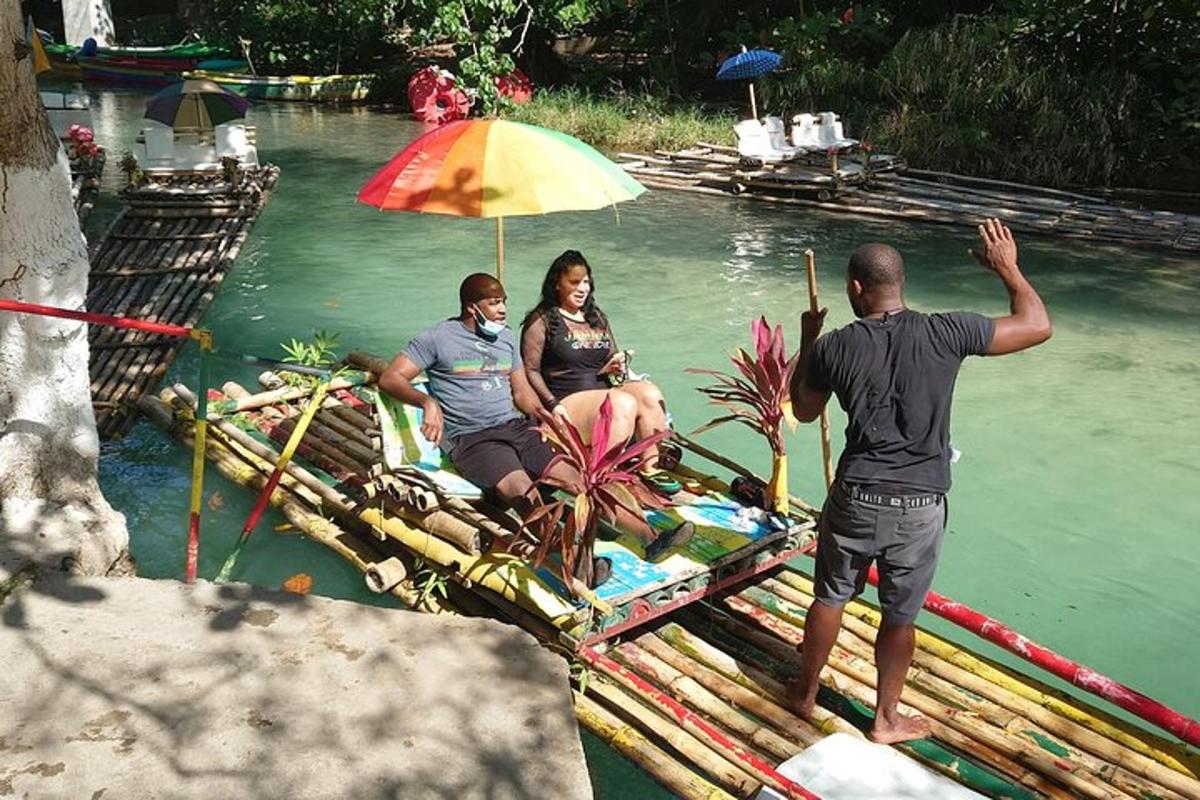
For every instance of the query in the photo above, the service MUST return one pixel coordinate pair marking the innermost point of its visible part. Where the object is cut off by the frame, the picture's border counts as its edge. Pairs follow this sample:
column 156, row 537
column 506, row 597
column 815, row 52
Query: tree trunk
column 51, row 508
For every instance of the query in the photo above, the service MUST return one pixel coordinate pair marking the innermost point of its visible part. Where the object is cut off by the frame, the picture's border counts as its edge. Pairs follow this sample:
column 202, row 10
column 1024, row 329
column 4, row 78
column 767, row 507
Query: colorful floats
column 681, row 666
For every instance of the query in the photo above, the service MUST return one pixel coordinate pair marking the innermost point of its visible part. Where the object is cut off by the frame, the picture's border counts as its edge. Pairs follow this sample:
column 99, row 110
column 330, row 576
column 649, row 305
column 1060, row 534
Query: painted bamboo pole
column 690, row 747
column 864, row 693
column 1071, row 671
column 500, row 249
column 694, row 723
column 810, row 260
column 751, row 645
column 1040, row 758
column 193, row 537
column 858, row 654
column 260, row 505
column 782, row 720
column 627, row 741
column 1126, row 748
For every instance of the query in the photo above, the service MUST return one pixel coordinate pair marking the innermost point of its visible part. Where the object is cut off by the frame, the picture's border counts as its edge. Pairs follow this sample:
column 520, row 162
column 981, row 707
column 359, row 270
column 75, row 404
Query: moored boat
column 293, row 88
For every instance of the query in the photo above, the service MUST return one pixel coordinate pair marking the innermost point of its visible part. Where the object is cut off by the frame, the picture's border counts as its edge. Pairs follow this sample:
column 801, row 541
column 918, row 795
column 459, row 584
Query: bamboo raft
column 695, row 697
column 891, row 190
column 162, row 260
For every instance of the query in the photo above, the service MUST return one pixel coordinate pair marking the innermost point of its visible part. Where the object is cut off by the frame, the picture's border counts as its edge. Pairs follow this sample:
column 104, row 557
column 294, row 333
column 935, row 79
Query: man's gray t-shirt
column 468, row 375
column 894, row 377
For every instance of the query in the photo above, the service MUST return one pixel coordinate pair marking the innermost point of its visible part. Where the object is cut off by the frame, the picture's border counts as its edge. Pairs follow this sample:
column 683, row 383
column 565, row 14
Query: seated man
column 475, row 378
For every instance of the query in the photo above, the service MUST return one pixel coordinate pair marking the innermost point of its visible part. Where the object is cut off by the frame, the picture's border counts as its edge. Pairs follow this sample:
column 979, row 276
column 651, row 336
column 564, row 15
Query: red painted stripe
column 193, row 545
column 96, row 319
column 683, row 714
column 1084, row 677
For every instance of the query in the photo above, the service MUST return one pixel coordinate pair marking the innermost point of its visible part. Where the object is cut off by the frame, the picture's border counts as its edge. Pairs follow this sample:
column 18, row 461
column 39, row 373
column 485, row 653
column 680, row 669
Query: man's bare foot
column 901, row 729
column 796, row 701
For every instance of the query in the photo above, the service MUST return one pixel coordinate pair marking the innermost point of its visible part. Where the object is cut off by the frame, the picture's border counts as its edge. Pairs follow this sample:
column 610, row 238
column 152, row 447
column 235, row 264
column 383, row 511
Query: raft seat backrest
column 231, row 140
column 777, row 136
column 160, row 145
column 830, row 131
column 804, row 132
column 753, row 142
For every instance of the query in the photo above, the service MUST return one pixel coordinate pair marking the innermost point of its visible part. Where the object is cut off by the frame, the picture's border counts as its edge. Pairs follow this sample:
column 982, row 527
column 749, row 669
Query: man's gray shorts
column 905, row 542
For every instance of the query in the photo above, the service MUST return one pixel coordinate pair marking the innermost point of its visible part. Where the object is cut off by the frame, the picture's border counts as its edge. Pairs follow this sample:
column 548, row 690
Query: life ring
column 426, row 82
column 443, row 106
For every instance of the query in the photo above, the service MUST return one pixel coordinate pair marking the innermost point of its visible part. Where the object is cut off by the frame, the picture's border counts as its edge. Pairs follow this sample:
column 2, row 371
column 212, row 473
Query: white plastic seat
column 231, row 140
column 753, row 142
column 829, row 132
column 160, row 146
column 777, row 137
column 804, row 132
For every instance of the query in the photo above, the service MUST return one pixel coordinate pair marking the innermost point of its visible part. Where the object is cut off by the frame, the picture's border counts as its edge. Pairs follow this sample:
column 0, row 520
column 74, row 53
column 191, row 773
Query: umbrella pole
column 753, row 107
column 500, row 249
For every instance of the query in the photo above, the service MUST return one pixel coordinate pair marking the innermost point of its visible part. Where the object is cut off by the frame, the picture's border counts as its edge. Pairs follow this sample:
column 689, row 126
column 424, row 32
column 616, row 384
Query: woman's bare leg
column 651, row 411
column 584, row 407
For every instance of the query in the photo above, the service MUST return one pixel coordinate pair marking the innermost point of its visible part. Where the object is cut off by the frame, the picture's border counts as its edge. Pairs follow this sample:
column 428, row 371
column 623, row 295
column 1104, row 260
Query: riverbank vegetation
column 1058, row 92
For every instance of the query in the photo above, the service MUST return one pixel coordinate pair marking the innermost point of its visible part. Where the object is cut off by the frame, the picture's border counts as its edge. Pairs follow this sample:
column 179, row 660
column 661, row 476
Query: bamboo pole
column 782, row 720
column 193, row 537
column 860, row 654
column 826, row 448
column 1070, row 774
column 1089, row 733
column 863, row 693
column 690, row 747
column 739, row 753
column 627, row 741
column 756, row 738
column 750, row 645
column 260, row 505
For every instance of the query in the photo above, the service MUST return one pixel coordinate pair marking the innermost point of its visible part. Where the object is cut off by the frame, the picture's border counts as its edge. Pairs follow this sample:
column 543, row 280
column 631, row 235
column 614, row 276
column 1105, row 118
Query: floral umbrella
column 496, row 168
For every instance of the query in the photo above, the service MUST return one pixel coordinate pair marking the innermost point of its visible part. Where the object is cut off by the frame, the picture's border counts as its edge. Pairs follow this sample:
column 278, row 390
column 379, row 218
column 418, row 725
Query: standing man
column 893, row 371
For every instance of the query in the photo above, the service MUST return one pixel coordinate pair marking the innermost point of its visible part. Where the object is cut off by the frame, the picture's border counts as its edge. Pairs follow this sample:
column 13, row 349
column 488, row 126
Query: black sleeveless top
column 573, row 354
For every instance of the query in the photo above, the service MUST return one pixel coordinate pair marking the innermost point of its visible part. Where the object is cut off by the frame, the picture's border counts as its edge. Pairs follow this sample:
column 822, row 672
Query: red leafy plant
column 603, row 479
column 756, row 399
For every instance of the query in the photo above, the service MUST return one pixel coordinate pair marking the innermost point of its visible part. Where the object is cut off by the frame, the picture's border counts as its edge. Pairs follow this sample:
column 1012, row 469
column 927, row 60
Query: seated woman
column 569, row 351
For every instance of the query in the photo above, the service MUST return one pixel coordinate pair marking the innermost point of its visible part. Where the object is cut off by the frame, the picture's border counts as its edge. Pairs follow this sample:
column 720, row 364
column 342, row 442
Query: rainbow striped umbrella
column 496, row 168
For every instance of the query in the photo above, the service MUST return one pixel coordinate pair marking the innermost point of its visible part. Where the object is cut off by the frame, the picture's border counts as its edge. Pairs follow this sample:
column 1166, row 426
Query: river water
column 1076, row 503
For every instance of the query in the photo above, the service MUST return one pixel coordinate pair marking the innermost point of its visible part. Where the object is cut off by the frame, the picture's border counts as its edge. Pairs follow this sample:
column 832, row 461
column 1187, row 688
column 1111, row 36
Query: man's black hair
column 877, row 265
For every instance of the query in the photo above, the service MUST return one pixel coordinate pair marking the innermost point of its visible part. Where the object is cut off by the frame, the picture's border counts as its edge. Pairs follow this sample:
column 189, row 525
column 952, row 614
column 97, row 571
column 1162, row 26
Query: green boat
column 195, row 51
column 292, row 88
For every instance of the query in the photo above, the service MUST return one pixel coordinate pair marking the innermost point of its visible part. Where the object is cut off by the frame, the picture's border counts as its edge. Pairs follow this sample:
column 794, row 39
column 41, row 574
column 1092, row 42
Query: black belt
column 891, row 500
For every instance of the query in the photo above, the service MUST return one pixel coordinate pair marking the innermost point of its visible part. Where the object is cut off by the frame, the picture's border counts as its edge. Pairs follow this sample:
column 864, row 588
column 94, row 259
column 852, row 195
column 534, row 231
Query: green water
column 1075, row 509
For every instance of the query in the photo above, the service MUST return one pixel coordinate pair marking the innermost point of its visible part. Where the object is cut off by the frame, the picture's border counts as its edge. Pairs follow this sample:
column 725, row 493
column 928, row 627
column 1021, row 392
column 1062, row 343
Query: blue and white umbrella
column 748, row 65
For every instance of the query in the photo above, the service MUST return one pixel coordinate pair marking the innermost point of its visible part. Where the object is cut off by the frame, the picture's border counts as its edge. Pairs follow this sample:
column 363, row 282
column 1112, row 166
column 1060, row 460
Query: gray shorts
column 905, row 543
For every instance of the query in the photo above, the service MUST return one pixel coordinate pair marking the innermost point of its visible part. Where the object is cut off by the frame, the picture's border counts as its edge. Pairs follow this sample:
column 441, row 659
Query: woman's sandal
column 661, row 482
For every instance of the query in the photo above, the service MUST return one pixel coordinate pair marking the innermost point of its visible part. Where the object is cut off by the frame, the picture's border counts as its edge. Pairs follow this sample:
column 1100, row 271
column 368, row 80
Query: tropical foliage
column 756, row 399
column 602, row 479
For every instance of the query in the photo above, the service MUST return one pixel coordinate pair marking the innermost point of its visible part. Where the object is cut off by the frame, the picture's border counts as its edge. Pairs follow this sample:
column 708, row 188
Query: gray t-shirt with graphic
column 468, row 375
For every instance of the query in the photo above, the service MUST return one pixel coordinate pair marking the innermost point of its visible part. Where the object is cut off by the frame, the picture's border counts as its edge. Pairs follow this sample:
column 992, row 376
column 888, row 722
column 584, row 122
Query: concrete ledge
column 115, row 688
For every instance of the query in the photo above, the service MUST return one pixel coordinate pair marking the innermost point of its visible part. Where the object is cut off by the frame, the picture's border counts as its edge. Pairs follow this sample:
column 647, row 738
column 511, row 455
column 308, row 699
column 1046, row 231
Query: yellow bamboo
column 1173, row 755
column 861, row 657
column 1073, row 776
column 690, row 747
column 629, row 742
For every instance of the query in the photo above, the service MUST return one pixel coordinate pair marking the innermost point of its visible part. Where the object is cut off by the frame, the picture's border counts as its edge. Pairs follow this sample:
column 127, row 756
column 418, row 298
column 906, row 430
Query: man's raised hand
column 810, row 324
column 999, row 252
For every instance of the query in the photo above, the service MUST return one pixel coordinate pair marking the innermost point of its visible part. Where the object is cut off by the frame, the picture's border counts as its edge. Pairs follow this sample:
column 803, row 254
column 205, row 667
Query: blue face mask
column 487, row 328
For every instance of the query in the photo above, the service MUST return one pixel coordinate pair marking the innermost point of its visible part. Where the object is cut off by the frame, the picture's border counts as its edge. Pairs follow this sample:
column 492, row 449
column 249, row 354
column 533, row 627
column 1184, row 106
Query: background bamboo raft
column 696, row 699
column 914, row 194
column 162, row 260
